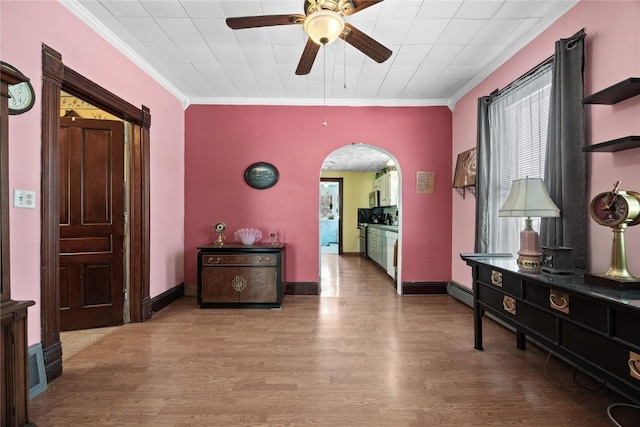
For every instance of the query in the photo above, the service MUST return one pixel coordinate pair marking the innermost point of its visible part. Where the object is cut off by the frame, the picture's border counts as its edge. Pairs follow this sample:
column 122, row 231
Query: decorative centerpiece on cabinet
column 236, row 275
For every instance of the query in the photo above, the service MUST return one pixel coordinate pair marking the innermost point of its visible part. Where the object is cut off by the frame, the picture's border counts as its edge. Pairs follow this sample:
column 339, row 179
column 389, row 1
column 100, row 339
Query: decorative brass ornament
column 618, row 210
column 219, row 228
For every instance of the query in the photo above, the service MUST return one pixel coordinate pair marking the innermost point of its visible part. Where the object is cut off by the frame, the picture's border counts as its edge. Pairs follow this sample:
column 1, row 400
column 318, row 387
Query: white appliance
column 392, row 238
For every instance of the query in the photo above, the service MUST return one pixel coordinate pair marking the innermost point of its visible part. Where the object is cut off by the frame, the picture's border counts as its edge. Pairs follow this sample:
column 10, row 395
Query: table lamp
column 528, row 198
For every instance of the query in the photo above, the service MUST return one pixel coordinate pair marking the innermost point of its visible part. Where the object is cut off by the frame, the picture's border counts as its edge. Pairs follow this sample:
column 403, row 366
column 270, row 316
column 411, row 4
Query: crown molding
column 321, row 102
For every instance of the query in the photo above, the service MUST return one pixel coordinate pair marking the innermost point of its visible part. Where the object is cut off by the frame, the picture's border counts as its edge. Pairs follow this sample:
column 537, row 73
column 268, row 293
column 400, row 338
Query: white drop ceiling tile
column 287, row 35
column 411, row 54
column 446, row 88
column 228, row 55
column 282, row 7
column 235, row 8
column 215, row 31
column 179, row 30
column 123, row 8
column 443, row 53
column 428, row 72
column 517, row 9
column 388, row 31
column 426, row 31
column 477, row 9
column 270, row 88
column 194, row 52
column 474, row 54
column 164, row 8
column 495, row 32
column 165, row 51
column 224, row 88
column 287, row 54
column 460, row 31
column 210, row 69
column 439, row 9
column 367, row 26
column 118, row 29
column 458, row 71
column 251, row 36
column 398, row 9
column 525, row 27
column 203, row 9
column 400, row 73
column 144, row 28
column 372, row 12
column 95, row 8
column 552, row 8
column 371, row 70
column 263, row 71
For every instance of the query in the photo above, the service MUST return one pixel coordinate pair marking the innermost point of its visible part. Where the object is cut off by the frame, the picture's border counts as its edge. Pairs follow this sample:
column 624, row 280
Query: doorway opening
column 362, row 169
column 331, row 216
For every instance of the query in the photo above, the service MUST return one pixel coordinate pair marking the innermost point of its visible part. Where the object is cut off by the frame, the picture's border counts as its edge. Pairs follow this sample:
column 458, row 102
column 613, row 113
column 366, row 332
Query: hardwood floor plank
column 357, row 355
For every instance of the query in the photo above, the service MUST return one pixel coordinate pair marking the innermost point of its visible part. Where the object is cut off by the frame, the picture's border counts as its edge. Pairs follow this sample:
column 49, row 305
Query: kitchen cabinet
column 235, row 275
column 391, row 241
column 593, row 328
column 387, row 184
column 373, row 243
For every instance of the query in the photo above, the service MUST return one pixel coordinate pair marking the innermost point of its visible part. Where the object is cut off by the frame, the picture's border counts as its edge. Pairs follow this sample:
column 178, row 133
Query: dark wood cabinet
column 593, row 328
column 14, row 384
column 235, row 275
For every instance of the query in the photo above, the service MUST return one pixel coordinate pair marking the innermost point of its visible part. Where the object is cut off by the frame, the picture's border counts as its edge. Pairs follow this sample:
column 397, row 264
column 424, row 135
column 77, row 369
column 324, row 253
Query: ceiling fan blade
column 264, row 21
column 358, row 5
column 365, row 44
column 308, row 56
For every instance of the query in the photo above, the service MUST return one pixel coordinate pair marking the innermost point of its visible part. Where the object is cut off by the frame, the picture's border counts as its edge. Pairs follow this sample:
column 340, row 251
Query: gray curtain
column 483, row 154
column 565, row 164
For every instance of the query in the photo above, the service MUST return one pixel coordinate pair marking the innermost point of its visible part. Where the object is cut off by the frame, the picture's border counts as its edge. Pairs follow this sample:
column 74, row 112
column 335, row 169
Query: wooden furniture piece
column 235, row 275
column 14, row 385
column 593, row 328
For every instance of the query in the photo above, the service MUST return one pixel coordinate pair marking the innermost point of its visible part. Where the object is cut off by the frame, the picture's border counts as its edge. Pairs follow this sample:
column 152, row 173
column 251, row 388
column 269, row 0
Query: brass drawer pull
column 264, row 260
column 559, row 301
column 496, row 278
column 509, row 304
column 239, row 283
column 634, row 365
column 214, row 260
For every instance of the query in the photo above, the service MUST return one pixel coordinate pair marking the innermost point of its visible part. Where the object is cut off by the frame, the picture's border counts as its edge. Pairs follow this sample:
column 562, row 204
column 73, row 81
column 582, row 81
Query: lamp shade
column 324, row 26
column 528, row 198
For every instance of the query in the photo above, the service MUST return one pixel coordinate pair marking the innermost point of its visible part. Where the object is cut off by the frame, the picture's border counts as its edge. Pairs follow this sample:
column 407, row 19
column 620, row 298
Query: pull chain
column 324, row 82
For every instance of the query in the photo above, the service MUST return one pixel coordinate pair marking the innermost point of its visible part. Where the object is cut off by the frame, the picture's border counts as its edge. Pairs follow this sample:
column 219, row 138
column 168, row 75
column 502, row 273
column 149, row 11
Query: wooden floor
column 359, row 355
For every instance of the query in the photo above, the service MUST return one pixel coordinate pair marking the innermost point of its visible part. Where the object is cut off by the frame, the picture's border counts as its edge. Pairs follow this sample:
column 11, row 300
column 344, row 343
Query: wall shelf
column 626, row 143
column 618, row 92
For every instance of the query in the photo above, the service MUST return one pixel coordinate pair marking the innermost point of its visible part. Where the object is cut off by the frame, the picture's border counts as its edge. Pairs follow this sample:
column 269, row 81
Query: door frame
column 56, row 77
column 340, row 197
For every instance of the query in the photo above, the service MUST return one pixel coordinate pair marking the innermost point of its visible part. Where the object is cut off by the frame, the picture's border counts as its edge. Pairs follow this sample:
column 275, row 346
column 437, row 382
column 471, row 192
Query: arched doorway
column 359, row 166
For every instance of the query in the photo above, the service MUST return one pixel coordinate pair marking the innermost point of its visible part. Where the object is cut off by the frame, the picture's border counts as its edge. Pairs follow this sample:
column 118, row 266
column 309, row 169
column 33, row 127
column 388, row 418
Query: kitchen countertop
column 384, row 227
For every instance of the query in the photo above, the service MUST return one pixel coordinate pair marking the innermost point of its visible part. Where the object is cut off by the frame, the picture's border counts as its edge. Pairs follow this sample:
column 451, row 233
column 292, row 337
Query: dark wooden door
column 91, row 223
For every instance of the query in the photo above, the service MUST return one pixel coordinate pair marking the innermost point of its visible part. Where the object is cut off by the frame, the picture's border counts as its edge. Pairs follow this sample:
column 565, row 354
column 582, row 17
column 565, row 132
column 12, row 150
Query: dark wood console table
column 596, row 329
column 235, row 275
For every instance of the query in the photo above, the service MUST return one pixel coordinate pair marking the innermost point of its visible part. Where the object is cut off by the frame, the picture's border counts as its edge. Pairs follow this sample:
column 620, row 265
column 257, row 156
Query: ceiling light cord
column 324, row 82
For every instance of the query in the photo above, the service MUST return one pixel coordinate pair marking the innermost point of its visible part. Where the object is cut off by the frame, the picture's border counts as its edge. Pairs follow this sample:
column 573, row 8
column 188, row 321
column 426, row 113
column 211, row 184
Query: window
column 518, row 120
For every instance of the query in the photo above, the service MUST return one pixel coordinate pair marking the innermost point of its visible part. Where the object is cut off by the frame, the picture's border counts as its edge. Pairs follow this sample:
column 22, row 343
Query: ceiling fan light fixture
column 324, row 26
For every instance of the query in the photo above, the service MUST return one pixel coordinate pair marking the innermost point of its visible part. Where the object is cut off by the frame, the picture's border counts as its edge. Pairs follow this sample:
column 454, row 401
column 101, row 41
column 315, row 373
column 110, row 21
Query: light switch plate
column 24, row 199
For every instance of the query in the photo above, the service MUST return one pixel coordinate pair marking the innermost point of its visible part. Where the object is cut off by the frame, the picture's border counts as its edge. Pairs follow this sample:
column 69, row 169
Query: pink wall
column 612, row 54
column 221, row 141
column 86, row 52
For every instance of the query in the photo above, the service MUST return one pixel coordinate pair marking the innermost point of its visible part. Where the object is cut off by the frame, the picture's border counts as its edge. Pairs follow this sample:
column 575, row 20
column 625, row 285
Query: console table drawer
column 541, row 323
column 568, row 305
column 507, row 283
column 227, row 260
column 613, row 358
column 627, row 328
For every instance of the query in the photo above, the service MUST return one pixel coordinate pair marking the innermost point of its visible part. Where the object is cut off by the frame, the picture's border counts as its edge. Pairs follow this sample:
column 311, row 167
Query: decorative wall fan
column 323, row 22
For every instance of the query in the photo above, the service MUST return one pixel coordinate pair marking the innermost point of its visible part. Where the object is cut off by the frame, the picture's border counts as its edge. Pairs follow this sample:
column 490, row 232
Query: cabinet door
column 261, row 285
column 217, row 285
